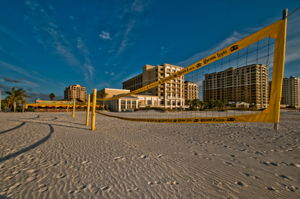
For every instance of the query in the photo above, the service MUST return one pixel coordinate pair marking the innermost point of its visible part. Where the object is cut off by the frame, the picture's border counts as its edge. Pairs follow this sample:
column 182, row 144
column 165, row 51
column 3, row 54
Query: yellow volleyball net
column 239, row 83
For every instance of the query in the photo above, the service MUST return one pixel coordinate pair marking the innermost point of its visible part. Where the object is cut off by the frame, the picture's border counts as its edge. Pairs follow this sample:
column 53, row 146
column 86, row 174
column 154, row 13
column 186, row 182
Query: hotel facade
column 291, row 92
column 75, row 92
column 171, row 94
column 235, row 85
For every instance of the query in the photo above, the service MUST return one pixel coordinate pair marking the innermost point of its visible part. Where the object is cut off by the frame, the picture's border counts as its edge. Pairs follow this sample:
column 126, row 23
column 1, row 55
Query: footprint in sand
column 267, row 163
column 271, row 188
column 60, row 175
column 119, row 158
column 228, row 163
column 92, row 188
column 241, row 184
column 283, row 176
column 81, row 186
column 172, row 183
column 42, row 188
column 84, row 162
column 105, row 188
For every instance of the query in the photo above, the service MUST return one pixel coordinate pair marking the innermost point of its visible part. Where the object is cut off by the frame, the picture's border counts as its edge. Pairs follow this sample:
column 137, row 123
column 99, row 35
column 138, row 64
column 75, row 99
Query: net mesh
column 236, row 84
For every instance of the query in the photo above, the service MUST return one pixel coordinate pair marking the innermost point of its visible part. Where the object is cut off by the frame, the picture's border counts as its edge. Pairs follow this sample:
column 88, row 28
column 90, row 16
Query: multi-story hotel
column 244, row 84
column 190, row 90
column 291, row 92
column 170, row 94
column 75, row 92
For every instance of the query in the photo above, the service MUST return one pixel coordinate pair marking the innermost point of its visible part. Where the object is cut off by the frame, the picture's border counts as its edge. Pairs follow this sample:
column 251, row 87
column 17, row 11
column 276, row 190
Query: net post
column 284, row 13
column 67, row 108
column 74, row 104
column 278, row 71
column 88, row 110
column 93, row 126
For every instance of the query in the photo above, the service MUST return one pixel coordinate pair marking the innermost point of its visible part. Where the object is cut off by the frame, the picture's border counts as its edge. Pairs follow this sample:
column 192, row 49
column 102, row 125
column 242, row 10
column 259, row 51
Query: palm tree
column 23, row 102
column 52, row 96
column 15, row 96
column 194, row 104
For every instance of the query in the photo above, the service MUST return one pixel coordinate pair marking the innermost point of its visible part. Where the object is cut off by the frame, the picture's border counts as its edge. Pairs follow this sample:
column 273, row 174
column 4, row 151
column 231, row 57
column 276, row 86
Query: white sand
column 51, row 155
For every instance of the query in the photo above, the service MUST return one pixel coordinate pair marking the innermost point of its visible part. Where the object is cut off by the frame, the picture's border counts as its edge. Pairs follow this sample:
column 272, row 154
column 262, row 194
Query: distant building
column 291, row 92
column 75, row 92
column 129, row 102
column 191, row 90
column 244, row 84
column 170, row 94
column 111, row 92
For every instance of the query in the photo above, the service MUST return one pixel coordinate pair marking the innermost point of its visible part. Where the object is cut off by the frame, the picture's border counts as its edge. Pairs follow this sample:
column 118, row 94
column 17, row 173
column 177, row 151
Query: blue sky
column 48, row 45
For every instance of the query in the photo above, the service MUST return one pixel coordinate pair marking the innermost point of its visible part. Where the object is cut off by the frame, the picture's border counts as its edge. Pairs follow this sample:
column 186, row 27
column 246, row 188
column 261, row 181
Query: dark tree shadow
column 28, row 148
column 14, row 128
column 74, row 127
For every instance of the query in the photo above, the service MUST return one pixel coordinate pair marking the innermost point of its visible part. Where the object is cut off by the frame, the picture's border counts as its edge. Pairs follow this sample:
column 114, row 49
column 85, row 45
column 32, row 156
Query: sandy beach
column 52, row 155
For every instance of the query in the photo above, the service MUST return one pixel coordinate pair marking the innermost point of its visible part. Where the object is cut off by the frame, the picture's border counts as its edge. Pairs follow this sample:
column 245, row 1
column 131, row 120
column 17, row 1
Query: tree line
column 17, row 98
column 197, row 104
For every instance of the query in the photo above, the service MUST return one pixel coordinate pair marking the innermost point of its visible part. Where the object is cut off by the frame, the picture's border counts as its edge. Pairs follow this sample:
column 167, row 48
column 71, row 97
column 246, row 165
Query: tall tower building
column 244, row 84
column 75, row 92
column 291, row 92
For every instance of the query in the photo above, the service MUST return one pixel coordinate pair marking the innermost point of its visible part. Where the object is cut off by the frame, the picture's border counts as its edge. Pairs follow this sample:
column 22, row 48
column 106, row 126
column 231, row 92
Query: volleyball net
column 239, row 83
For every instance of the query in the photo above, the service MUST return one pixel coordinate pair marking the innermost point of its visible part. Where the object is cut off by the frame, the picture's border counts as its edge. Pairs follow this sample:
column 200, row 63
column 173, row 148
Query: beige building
column 111, row 92
column 170, row 94
column 129, row 102
column 291, row 92
column 75, row 92
column 244, row 84
column 191, row 90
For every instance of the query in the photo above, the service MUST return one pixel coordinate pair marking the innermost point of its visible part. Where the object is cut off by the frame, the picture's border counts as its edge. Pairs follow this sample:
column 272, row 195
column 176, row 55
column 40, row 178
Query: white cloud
column 87, row 66
column 139, row 5
column 124, row 42
column 45, row 22
column 109, row 73
column 20, row 71
column 105, row 35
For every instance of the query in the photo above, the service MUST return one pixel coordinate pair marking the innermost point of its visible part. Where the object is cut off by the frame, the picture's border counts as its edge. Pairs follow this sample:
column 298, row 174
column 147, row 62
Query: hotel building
column 243, row 84
column 191, row 90
column 170, row 94
column 75, row 92
column 291, row 92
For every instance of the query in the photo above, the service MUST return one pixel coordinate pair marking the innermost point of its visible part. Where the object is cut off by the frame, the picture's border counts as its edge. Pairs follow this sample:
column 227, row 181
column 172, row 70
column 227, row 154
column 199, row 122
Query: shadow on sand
column 74, row 127
column 14, row 128
column 28, row 148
